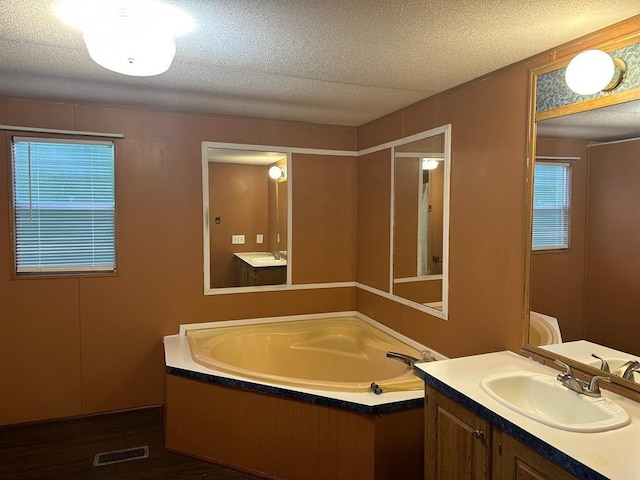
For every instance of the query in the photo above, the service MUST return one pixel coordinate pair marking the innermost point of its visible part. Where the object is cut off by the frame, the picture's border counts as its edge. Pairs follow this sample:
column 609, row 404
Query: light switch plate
column 259, row 238
column 237, row 239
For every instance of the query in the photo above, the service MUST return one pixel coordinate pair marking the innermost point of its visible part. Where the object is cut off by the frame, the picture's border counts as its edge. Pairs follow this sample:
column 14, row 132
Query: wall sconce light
column 429, row 163
column 276, row 172
column 593, row 71
column 132, row 37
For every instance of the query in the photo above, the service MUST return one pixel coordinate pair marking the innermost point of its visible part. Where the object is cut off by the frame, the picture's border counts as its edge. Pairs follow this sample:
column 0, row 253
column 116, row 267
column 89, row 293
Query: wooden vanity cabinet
column 248, row 276
column 457, row 442
column 459, row 445
column 513, row 460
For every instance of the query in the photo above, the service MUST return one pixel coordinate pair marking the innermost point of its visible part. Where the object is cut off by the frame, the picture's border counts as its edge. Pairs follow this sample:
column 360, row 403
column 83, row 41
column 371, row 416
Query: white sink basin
column 542, row 398
column 261, row 259
column 269, row 261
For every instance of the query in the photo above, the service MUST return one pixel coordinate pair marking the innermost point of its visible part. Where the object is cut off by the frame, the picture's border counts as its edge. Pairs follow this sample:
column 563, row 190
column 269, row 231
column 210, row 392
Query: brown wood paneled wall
column 285, row 438
column 557, row 278
column 95, row 343
column 489, row 118
column 613, row 253
column 98, row 340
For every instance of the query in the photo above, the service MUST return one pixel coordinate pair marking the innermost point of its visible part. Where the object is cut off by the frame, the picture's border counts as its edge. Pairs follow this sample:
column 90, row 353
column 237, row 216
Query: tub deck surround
column 287, row 431
column 349, row 388
column 604, row 455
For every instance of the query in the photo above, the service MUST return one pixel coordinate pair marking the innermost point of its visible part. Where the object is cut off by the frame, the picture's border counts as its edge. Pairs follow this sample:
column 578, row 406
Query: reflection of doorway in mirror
column 435, row 213
column 424, row 226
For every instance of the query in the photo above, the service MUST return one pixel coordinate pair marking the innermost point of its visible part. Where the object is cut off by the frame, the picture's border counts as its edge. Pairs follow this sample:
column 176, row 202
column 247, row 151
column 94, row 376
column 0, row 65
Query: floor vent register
column 117, row 456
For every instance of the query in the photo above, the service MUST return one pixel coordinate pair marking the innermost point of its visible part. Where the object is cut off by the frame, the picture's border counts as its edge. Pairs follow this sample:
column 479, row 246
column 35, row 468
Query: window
column 551, row 192
column 63, row 205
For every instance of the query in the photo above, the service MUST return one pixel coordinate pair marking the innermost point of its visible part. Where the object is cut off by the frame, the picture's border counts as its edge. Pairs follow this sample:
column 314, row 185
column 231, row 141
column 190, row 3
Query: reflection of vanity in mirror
column 247, row 217
column 584, row 285
column 420, row 223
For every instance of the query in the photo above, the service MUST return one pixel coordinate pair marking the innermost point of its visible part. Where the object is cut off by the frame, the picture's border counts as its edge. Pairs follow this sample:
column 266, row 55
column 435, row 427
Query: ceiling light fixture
column 132, row 37
column 429, row 163
column 593, row 71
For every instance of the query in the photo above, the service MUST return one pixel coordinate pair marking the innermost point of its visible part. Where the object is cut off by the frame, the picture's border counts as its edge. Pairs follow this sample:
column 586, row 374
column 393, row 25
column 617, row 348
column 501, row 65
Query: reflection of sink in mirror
column 262, row 259
column 270, row 261
column 542, row 398
column 582, row 351
column 616, row 366
column 247, row 211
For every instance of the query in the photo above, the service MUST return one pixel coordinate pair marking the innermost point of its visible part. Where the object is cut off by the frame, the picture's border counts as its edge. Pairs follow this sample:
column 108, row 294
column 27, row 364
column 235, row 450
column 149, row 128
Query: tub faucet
column 408, row 359
column 569, row 380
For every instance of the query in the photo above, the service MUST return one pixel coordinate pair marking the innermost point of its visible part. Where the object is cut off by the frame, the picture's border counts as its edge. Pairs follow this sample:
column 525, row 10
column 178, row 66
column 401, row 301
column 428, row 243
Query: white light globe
column 131, row 54
column 589, row 72
column 275, row 172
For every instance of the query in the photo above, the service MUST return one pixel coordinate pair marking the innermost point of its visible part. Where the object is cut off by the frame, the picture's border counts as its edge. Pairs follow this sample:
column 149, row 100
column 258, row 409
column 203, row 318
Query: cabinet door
column 514, row 461
column 457, row 441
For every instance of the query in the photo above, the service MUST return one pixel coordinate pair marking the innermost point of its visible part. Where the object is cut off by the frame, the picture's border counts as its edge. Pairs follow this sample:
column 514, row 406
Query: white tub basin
column 542, row 398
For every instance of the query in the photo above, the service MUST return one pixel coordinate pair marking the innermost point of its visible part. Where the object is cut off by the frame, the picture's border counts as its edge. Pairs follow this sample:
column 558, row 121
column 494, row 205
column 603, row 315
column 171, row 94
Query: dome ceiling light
column 131, row 37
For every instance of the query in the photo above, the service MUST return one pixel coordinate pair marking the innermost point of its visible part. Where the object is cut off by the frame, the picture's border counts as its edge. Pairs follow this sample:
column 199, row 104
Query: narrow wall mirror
column 246, row 218
column 584, row 280
column 421, row 168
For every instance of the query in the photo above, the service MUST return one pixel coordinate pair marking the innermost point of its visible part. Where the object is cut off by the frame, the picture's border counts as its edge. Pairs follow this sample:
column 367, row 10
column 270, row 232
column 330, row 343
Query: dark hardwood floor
column 65, row 449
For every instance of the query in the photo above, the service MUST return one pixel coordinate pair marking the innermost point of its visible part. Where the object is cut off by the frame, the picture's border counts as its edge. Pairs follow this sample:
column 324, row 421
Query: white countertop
column 261, row 259
column 614, row 454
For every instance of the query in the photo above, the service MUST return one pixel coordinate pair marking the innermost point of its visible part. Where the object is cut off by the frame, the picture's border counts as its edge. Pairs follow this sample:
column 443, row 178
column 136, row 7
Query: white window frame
column 50, row 268
column 558, row 162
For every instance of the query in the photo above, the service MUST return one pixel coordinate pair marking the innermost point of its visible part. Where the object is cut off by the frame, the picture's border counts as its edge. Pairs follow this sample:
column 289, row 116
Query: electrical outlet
column 259, row 238
column 237, row 239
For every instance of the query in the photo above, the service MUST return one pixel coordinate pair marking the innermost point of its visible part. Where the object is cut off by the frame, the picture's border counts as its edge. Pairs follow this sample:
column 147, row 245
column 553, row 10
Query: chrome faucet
column 604, row 366
column 408, row 359
column 628, row 369
column 276, row 255
column 569, row 380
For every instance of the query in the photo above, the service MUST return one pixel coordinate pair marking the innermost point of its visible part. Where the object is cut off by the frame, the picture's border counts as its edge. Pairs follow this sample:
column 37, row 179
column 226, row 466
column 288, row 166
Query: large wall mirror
column 584, row 264
column 421, row 166
column 246, row 224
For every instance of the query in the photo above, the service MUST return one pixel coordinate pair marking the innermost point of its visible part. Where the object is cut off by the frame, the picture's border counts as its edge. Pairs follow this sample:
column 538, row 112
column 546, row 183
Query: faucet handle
column 604, row 366
column 594, row 386
column 567, row 368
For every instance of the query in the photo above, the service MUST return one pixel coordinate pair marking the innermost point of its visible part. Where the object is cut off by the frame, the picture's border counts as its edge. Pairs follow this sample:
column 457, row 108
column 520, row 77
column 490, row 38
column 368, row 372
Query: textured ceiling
column 327, row 61
column 616, row 122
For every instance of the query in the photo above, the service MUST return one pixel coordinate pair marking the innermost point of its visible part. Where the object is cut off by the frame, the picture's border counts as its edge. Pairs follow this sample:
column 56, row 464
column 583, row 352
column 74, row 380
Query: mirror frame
column 612, row 98
column 206, row 234
column 446, row 131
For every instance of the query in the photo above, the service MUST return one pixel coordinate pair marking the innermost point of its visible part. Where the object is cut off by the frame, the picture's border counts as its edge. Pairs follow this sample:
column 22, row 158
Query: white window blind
column 64, row 205
column 551, row 201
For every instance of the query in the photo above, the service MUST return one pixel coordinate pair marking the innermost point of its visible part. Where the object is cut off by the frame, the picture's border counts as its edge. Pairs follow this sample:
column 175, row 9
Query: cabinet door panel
column 513, row 460
column 457, row 443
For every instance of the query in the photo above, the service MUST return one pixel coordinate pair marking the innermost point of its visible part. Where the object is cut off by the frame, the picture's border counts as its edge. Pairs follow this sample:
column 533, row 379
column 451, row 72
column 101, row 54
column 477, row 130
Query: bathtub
column 343, row 354
column 272, row 397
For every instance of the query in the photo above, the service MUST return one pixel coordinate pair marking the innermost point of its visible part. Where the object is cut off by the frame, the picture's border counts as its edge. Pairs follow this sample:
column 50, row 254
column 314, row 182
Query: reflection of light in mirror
column 276, row 172
column 429, row 163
